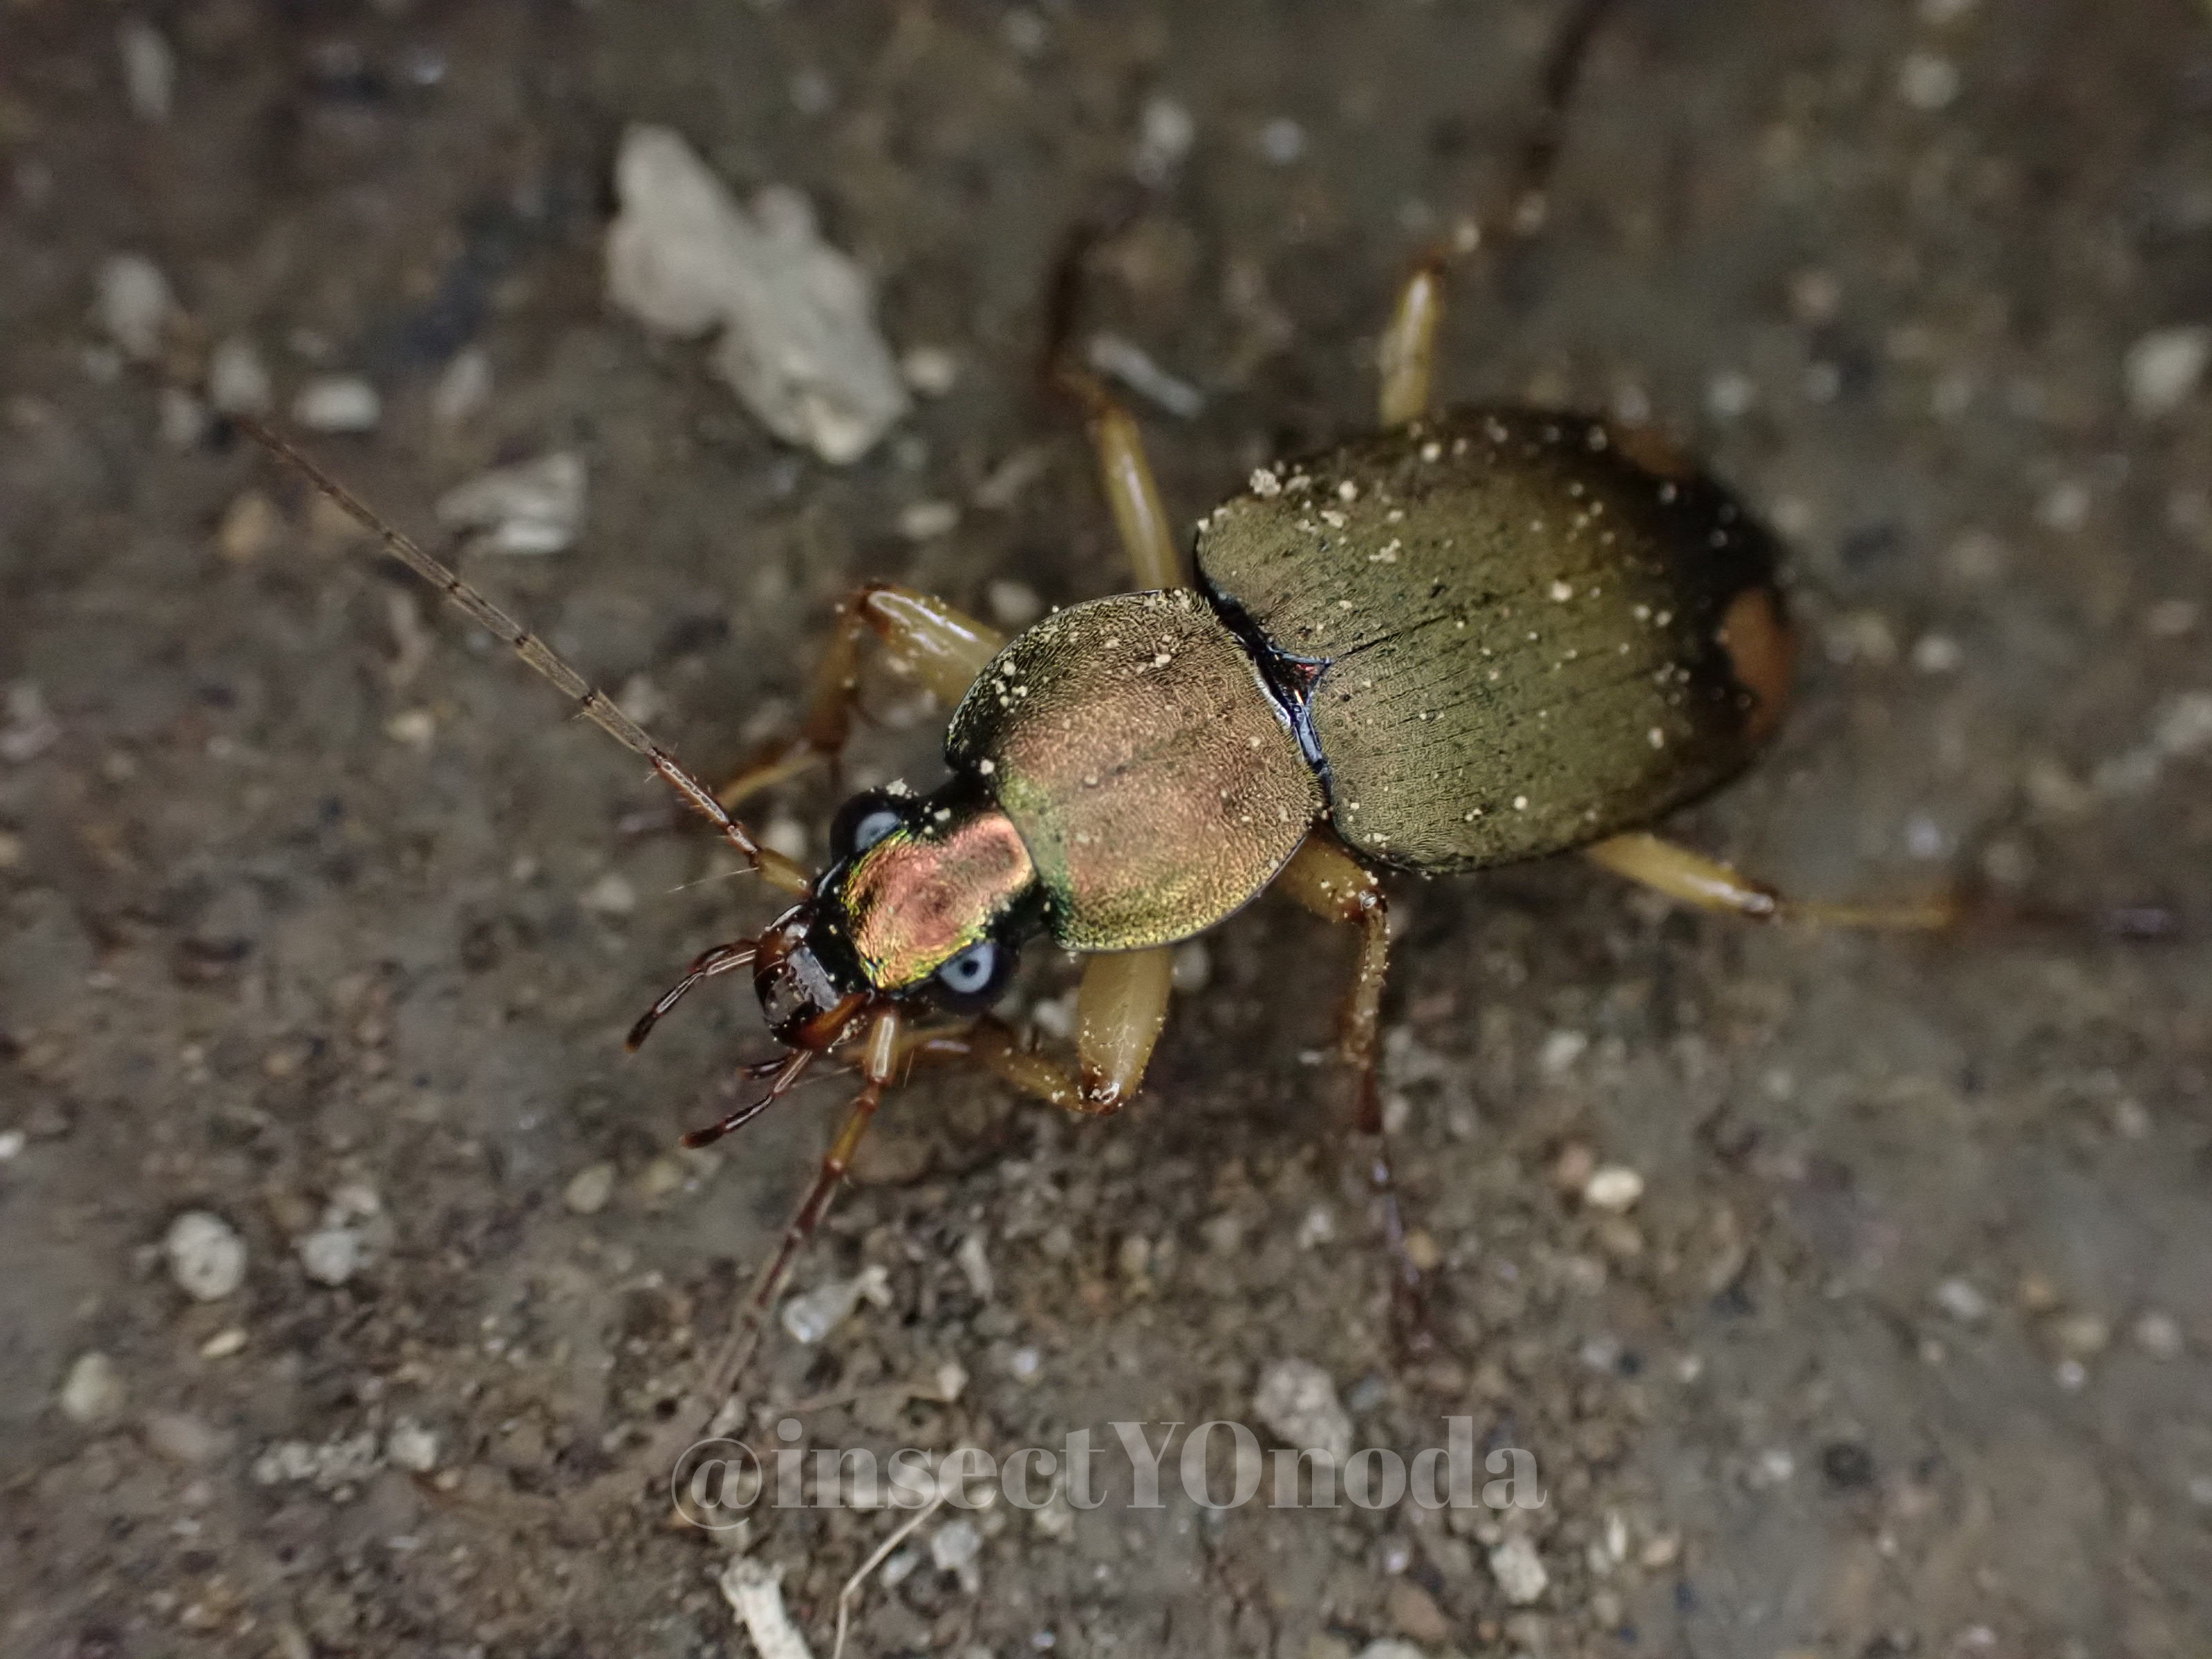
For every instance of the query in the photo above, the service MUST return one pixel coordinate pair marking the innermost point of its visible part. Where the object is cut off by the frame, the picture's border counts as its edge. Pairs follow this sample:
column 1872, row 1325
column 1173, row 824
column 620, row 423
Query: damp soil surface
column 1848, row 1291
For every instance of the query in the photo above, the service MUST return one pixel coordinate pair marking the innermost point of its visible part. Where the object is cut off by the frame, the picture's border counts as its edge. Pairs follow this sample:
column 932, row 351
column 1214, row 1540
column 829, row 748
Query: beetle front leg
column 1120, row 1008
column 1710, row 884
column 926, row 639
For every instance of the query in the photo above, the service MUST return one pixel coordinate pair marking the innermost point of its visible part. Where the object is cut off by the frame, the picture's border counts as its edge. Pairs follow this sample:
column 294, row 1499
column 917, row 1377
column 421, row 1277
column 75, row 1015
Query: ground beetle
column 1473, row 638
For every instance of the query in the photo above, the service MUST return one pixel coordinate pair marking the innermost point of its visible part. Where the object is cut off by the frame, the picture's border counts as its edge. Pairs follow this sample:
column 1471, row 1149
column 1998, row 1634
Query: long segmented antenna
column 594, row 703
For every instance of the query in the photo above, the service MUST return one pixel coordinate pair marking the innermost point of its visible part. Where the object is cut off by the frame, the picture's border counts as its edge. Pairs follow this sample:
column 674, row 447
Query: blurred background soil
column 320, row 917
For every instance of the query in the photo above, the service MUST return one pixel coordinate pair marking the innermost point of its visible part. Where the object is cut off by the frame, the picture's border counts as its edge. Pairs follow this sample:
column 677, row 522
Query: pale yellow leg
column 1332, row 884
column 1119, row 1008
column 925, row 638
column 1710, row 884
column 1126, row 477
column 1407, row 356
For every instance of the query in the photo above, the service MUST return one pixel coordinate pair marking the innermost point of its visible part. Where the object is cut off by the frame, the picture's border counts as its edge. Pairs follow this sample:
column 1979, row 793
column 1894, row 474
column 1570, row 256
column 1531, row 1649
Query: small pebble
column 184, row 420
column 589, row 1189
column 1614, row 1187
column 2159, row 1335
column 338, row 403
column 611, row 895
column 2083, row 1335
column 1927, row 82
column 150, row 70
column 975, row 1266
column 182, row 1438
column 533, row 507
column 1297, row 1399
column 464, row 387
column 922, row 521
column 2163, row 369
column 1390, row 1648
column 1166, row 132
column 237, row 380
column 331, row 1255
column 133, row 304
column 812, row 1314
column 1012, row 603
column 1192, row 966
column 1519, row 1571
column 1282, row 141
column 223, row 1343
column 207, row 1256
column 93, row 1393
column 1959, row 1298
column 12, row 1141
column 416, row 727
column 754, row 1590
column 250, row 526
column 410, row 1446
column 931, row 370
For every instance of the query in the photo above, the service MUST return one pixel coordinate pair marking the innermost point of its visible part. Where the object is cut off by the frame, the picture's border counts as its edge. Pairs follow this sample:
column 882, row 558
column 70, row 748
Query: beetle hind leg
column 1710, row 884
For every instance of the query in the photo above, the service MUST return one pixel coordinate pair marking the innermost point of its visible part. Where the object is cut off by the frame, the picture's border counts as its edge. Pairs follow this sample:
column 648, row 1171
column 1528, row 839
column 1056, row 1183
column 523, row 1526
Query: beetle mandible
column 1471, row 638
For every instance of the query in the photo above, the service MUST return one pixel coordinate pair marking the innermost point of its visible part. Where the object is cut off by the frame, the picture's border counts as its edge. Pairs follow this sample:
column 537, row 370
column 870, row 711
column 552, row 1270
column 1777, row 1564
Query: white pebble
column 338, row 403
column 2163, row 367
column 1166, row 132
column 975, row 1265
column 331, row 1255
column 1192, row 969
column 1297, row 1399
column 954, row 1545
column 464, row 387
column 532, row 507
column 1614, row 1187
column 184, row 419
column 1282, row 141
column 754, row 1591
column 410, row 1446
column 1927, row 80
column 1730, row 394
column 1012, row 603
column 931, row 370
column 238, row 380
column 150, row 70
column 93, row 1393
column 1388, row 1647
column 589, row 1189
column 798, row 340
column 611, row 895
column 133, row 304
column 1937, row 653
column 1962, row 1301
column 812, row 1314
column 1519, row 1571
column 2159, row 1335
column 12, row 1141
column 207, row 1257
column 922, row 521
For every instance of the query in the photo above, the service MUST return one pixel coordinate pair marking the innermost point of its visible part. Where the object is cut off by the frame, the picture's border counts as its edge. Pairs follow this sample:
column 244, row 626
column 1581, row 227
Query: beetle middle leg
column 1324, row 877
column 1710, row 884
column 926, row 638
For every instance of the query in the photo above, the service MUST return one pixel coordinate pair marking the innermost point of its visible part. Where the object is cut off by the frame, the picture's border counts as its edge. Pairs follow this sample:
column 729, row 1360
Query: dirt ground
column 320, row 917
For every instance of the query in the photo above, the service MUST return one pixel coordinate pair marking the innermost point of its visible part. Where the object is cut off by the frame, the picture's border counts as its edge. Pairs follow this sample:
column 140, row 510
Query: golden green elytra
column 1471, row 638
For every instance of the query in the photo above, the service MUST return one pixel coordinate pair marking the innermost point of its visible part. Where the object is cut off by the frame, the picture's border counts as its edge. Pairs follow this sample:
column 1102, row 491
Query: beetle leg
column 1119, row 1008
column 1125, row 476
column 926, row 639
column 1332, row 884
column 1710, row 884
column 1407, row 351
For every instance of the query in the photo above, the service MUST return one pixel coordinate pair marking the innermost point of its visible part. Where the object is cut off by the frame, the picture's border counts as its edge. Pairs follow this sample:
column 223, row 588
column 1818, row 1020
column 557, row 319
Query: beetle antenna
column 593, row 702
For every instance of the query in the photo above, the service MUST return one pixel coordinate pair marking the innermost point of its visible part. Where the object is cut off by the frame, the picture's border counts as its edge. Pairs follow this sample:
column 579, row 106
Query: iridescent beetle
column 1473, row 638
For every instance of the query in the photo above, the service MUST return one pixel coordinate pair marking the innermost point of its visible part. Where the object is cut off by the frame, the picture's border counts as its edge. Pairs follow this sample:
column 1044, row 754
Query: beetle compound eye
column 862, row 822
column 975, row 977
